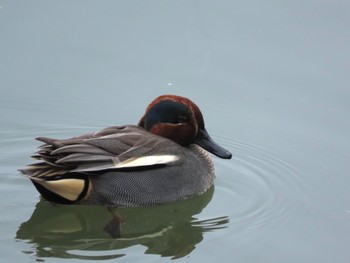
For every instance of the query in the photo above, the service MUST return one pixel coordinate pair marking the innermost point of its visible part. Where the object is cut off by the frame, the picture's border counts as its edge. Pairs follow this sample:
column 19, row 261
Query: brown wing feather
column 90, row 152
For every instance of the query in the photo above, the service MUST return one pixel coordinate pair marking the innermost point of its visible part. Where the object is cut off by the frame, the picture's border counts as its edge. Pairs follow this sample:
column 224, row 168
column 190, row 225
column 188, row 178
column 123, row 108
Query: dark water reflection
column 98, row 232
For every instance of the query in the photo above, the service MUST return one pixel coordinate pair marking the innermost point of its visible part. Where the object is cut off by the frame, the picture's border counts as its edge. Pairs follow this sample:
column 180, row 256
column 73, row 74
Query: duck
column 165, row 158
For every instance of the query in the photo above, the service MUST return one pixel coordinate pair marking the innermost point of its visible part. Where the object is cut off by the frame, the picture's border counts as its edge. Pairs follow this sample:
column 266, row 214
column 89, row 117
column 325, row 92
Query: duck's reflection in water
column 99, row 232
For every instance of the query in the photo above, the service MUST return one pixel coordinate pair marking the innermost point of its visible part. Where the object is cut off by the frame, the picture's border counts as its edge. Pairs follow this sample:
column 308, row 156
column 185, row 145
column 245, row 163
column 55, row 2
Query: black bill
column 203, row 139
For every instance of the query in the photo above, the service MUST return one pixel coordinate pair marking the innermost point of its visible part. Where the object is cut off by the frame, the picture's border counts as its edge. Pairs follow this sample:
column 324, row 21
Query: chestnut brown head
column 179, row 119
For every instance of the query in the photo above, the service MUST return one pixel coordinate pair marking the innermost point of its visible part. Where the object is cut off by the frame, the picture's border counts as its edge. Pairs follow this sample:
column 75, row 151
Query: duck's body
column 157, row 162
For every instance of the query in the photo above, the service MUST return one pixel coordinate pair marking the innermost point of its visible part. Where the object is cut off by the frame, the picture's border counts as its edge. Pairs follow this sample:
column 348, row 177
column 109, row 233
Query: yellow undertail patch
column 69, row 188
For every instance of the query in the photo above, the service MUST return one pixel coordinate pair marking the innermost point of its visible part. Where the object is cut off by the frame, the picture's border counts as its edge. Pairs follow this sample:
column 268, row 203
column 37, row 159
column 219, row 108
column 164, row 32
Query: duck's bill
column 203, row 139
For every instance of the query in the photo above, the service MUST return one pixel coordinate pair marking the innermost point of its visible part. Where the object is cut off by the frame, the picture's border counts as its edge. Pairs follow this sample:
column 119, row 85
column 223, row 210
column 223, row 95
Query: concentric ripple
column 264, row 191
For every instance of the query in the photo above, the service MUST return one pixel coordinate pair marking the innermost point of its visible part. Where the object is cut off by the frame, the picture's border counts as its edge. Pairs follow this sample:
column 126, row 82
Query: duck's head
column 180, row 120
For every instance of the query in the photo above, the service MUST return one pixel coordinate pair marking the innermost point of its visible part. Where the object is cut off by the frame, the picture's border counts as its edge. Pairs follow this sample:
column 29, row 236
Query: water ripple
column 267, row 190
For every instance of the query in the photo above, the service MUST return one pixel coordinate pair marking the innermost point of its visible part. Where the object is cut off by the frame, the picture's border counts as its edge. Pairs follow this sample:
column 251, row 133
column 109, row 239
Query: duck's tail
column 55, row 182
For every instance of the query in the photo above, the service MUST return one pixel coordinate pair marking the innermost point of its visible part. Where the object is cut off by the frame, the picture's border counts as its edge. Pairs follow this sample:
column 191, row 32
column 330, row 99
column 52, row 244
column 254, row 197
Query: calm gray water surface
column 272, row 79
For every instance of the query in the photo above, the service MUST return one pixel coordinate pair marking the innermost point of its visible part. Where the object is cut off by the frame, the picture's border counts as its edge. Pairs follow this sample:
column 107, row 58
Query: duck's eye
column 181, row 119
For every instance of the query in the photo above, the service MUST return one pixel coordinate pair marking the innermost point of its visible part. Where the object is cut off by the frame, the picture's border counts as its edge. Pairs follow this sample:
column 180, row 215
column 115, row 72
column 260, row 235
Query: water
column 272, row 81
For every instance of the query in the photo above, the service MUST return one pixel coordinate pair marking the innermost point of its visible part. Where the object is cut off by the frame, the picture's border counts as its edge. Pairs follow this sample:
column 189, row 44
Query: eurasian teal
column 163, row 159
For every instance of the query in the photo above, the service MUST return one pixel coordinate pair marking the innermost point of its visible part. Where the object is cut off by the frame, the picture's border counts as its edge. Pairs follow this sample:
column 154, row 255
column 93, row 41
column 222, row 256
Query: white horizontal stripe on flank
column 147, row 161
